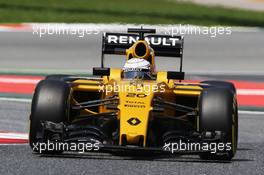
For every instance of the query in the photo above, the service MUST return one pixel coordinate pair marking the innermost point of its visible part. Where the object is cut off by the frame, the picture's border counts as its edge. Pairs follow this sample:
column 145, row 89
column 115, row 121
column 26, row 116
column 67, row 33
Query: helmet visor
column 137, row 74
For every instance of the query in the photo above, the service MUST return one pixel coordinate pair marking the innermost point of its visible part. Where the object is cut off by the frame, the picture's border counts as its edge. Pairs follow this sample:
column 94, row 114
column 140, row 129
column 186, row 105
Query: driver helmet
column 137, row 68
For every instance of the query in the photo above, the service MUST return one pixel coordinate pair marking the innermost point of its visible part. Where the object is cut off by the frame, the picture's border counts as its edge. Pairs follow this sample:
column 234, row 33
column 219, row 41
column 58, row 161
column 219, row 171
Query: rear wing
column 163, row 45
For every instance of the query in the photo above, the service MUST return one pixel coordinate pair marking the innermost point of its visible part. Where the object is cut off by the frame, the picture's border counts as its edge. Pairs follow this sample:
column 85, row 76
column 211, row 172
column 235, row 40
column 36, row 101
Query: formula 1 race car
column 136, row 109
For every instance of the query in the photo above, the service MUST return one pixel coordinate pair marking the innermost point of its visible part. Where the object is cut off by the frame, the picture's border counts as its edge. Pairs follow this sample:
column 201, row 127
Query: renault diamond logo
column 133, row 121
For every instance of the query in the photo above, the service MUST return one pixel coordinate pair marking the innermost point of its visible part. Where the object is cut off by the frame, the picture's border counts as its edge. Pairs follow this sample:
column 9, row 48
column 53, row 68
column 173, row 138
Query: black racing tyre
column 218, row 112
column 222, row 84
column 50, row 103
column 58, row 77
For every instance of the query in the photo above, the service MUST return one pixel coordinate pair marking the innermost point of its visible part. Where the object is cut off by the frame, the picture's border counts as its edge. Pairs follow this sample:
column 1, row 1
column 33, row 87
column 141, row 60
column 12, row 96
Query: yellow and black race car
column 135, row 109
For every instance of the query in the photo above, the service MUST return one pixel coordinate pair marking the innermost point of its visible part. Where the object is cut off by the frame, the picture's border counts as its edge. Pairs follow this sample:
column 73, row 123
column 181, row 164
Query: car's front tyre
column 50, row 103
column 218, row 112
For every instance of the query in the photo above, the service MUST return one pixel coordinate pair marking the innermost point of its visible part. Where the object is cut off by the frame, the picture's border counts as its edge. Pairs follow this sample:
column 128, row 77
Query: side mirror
column 101, row 71
column 175, row 75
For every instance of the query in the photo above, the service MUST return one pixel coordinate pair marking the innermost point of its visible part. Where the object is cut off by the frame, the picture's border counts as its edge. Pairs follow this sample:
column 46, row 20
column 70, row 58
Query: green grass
column 124, row 11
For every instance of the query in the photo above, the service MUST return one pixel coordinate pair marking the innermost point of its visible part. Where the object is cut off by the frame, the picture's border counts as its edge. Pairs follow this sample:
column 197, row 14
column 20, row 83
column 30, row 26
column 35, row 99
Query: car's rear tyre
column 50, row 103
column 218, row 112
column 222, row 84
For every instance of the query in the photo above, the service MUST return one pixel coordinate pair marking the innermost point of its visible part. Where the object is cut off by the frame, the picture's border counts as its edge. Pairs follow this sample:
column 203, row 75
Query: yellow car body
column 134, row 102
column 144, row 113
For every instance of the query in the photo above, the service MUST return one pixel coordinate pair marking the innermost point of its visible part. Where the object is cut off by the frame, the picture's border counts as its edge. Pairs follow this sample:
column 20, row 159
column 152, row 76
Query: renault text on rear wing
column 163, row 45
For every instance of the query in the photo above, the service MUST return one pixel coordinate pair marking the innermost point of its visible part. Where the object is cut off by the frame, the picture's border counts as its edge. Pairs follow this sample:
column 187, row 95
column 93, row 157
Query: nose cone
column 134, row 109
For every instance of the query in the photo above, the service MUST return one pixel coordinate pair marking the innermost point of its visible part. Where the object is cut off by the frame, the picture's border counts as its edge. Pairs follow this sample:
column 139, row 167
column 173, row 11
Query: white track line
column 258, row 92
column 14, row 144
column 19, row 80
column 26, row 100
column 7, row 135
column 251, row 112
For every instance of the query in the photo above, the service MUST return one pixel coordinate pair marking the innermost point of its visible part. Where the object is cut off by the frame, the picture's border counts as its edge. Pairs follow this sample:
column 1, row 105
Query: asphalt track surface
column 19, row 159
column 239, row 54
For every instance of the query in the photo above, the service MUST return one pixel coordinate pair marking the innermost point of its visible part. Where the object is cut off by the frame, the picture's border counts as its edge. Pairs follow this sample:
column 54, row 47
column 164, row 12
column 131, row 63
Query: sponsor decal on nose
column 134, row 121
